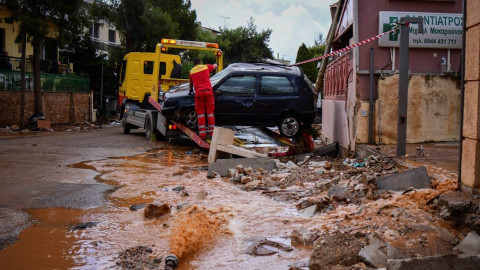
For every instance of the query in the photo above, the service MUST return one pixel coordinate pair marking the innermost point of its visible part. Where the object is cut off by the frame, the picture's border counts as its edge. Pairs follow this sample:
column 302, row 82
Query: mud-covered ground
column 249, row 222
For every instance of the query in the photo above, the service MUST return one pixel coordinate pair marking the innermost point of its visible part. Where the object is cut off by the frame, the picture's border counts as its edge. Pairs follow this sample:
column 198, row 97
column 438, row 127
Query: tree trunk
column 37, row 86
column 330, row 38
column 22, row 80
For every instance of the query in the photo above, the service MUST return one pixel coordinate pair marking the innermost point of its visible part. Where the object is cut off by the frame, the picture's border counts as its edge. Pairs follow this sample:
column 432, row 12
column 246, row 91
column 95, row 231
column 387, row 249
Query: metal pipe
column 403, row 81
column 370, row 112
column 462, row 94
column 171, row 262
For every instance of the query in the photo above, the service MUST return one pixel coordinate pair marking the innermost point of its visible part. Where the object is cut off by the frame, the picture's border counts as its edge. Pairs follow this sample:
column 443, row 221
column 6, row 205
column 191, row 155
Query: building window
column 95, row 30
column 111, row 36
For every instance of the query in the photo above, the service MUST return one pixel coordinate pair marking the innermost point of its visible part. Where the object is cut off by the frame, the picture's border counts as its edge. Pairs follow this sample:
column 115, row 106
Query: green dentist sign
column 441, row 30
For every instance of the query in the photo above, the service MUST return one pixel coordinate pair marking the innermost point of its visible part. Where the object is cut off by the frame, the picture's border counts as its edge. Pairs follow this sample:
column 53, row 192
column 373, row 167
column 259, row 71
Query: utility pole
column 224, row 21
column 403, row 81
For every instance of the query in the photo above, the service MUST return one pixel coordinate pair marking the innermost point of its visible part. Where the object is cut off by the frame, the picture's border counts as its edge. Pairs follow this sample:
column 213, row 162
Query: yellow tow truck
column 143, row 75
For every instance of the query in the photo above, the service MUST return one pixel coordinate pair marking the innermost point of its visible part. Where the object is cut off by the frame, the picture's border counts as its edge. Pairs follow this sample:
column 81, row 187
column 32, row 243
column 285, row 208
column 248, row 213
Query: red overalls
column 204, row 100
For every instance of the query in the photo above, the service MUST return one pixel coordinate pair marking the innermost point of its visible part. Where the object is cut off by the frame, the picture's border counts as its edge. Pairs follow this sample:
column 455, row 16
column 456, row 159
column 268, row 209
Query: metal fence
column 10, row 80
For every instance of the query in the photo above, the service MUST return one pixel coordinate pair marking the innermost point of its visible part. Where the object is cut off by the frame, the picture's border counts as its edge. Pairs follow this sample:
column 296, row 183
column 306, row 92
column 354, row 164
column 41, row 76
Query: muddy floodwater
column 213, row 222
column 53, row 241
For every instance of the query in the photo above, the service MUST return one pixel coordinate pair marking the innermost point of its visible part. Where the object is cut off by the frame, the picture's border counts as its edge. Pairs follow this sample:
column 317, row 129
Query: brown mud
column 211, row 227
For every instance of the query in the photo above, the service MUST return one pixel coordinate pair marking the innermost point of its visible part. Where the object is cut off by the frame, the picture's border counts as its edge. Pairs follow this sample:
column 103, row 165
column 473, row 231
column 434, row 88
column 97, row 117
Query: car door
column 235, row 98
column 276, row 94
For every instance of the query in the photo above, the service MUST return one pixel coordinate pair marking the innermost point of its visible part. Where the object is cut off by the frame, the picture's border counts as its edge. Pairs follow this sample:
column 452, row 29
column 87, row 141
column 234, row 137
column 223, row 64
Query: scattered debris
column 136, row 207
column 201, row 195
column 221, row 166
column 309, row 211
column 377, row 252
column 335, row 248
column 138, row 258
column 267, row 247
column 154, row 211
column 303, row 237
column 84, row 225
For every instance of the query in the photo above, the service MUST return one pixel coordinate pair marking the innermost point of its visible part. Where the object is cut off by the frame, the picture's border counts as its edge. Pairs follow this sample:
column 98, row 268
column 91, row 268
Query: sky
column 292, row 22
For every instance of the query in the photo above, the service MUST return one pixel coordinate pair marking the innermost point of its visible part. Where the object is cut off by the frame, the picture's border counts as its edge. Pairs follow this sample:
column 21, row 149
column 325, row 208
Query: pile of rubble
column 368, row 212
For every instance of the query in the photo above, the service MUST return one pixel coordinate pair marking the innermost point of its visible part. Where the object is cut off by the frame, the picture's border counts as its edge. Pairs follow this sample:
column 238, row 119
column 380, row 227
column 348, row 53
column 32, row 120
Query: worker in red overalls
column 204, row 99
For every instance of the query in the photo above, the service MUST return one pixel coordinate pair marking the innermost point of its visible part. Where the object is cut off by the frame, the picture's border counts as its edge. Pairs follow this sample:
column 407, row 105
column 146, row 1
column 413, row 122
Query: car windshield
column 219, row 76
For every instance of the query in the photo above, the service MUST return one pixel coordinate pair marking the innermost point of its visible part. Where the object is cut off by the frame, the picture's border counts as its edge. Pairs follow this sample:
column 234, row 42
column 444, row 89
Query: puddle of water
column 47, row 244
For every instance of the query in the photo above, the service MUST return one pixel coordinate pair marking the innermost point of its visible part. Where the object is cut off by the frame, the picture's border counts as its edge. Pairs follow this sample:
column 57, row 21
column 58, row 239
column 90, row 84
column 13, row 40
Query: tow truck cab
column 143, row 74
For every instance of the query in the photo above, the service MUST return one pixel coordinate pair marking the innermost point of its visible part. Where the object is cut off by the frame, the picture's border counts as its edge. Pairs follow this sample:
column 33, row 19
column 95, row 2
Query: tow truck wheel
column 126, row 126
column 148, row 127
column 289, row 125
column 191, row 120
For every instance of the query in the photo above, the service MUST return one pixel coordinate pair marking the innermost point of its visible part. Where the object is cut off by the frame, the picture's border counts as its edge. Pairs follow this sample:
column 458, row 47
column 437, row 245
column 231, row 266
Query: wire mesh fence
column 10, row 80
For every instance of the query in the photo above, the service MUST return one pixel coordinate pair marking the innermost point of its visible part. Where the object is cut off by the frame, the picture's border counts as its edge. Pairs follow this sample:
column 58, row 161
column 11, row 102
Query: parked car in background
column 251, row 94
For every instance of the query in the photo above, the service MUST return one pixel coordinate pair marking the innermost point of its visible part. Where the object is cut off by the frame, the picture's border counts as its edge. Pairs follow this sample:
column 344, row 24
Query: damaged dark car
column 251, row 94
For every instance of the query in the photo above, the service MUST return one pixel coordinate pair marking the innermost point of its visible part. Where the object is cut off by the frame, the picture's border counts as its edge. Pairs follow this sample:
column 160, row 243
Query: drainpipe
column 171, row 262
column 462, row 93
column 370, row 113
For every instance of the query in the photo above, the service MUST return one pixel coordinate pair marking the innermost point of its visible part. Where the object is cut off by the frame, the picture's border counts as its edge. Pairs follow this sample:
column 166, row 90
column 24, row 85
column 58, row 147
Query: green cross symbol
column 389, row 26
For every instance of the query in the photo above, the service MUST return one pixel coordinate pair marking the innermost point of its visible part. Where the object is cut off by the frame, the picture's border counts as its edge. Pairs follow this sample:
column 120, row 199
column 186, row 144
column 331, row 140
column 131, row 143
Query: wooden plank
column 220, row 136
column 239, row 151
column 277, row 136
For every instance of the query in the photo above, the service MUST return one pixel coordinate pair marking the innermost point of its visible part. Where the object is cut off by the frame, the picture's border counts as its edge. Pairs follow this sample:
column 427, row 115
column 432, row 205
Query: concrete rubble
column 372, row 210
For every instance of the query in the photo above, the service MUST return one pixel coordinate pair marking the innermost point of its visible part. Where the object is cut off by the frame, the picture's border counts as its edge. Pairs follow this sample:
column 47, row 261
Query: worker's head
column 197, row 61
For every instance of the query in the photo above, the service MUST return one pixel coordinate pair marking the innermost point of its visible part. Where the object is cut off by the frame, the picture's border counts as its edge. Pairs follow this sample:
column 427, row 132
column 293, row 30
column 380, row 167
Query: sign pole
column 403, row 81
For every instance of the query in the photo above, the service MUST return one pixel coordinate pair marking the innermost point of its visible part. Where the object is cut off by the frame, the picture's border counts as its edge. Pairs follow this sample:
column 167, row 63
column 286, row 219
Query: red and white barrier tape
column 348, row 47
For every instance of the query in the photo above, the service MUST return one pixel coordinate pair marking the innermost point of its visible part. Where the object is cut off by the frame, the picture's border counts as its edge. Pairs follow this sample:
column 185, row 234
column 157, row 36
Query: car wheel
column 148, row 127
column 191, row 120
column 289, row 125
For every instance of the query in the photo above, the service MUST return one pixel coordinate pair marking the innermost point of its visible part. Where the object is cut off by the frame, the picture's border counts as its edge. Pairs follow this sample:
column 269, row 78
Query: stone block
column 470, row 245
column 473, row 12
column 471, row 163
column 443, row 262
column 472, row 56
column 416, row 178
column 471, row 123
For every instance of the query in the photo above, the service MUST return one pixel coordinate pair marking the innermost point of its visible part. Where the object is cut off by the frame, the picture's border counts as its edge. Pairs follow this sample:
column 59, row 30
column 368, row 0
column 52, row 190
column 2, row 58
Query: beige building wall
column 433, row 110
column 471, row 122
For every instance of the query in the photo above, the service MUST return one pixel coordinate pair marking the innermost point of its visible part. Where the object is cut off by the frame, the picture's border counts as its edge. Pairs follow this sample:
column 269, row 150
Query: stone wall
column 471, row 122
column 59, row 107
column 433, row 110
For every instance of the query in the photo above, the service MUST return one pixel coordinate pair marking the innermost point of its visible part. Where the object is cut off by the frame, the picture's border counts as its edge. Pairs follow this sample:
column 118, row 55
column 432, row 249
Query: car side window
column 243, row 85
column 275, row 85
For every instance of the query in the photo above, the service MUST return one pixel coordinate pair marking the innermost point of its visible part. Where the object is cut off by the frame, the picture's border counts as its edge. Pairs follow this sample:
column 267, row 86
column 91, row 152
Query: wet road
column 36, row 173
column 72, row 171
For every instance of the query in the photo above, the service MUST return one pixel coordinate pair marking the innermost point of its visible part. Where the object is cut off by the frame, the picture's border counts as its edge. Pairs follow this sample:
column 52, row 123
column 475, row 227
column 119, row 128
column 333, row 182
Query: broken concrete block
column 443, row 262
column 153, row 210
column 303, row 237
column 416, row 178
column 470, row 245
column 330, row 150
column 221, row 166
column 309, row 211
column 375, row 253
column 291, row 165
column 278, row 176
column 245, row 179
column 340, row 194
column 456, row 201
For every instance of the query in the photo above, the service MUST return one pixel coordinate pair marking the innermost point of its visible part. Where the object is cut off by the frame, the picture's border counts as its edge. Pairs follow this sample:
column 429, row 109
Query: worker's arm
column 212, row 67
column 190, row 92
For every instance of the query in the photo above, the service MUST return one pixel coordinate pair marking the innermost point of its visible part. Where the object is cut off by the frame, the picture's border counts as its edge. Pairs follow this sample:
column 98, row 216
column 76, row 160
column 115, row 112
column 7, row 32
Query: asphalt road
column 35, row 172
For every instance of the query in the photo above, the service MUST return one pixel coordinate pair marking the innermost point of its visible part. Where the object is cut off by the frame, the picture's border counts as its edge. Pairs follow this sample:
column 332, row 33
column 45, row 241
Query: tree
column 245, row 44
column 183, row 16
column 309, row 69
column 143, row 23
column 35, row 17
